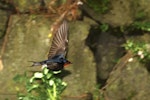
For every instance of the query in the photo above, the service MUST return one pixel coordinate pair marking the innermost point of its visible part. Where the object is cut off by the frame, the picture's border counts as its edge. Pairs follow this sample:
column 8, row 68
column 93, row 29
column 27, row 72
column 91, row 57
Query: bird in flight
column 57, row 53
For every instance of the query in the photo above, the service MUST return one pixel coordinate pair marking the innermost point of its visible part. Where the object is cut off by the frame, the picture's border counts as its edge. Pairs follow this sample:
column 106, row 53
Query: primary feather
column 60, row 41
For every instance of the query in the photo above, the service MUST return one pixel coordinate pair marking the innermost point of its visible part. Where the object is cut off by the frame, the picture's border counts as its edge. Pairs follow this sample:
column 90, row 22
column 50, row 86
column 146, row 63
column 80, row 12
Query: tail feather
column 35, row 63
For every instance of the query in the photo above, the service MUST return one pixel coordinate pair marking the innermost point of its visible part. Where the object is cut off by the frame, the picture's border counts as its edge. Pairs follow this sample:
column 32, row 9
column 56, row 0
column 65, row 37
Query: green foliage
column 136, row 25
column 104, row 27
column 97, row 95
column 41, row 86
column 145, row 26
column 134, row 47
column 140, row 15
column 100, row 6
column 139, row 49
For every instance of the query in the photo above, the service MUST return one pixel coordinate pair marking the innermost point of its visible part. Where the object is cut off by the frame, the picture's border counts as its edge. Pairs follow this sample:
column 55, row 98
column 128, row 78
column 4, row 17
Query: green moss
column 140, row 15
column 100, row 6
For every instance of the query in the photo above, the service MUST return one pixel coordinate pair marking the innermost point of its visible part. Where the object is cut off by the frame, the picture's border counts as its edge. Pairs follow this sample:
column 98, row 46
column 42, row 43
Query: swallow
column 57, row 53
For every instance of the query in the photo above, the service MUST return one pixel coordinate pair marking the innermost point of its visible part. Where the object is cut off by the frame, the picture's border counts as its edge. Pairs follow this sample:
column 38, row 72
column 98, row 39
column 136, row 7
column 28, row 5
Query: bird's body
column 56, row 57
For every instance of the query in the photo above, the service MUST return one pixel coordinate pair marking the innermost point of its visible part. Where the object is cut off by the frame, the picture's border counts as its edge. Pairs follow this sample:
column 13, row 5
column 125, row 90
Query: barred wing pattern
column 60, row 41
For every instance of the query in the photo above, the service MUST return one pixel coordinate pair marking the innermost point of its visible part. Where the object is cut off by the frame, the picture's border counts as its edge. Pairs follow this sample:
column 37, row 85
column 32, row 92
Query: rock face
column 83, row 71
column 107, row 50
column 121, row 12
column 131, row 84
column 27, row 5
column 92, row 52
column 3, row 22
column 27, row 41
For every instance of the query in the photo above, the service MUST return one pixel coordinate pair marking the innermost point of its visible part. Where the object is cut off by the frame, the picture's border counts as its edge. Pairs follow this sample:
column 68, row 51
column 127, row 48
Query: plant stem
column 51, row 97
column 54, row 90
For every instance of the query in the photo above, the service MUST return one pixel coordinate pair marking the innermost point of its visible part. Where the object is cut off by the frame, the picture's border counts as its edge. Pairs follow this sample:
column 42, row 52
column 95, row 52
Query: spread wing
column 60, row 41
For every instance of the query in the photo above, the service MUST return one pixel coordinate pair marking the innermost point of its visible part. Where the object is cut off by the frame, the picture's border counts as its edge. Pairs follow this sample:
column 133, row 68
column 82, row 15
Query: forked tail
column 35, row 63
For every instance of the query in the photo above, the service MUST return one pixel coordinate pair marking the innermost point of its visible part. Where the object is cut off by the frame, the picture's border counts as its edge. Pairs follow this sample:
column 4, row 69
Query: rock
column 3, row 22
column 27, row 41
column 106, row 47
column 119, row 12
column 141, row 9
column 83, row 71
column 132, row 80
column 26, row 5
column 132, row 83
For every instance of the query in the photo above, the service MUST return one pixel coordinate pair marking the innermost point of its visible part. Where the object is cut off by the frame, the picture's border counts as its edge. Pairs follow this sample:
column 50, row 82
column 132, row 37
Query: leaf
column 49, row 75
column 45, row 71
column 34, row 86
column 104, row 27
column 38, row 75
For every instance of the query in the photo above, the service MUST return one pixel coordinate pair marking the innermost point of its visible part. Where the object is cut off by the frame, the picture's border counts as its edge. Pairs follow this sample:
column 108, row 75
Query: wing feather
column 60, row 41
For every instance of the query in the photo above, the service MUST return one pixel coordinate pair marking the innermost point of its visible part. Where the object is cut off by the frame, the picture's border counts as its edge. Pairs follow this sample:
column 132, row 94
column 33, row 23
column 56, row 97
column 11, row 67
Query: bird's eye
column 61, row 59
